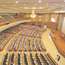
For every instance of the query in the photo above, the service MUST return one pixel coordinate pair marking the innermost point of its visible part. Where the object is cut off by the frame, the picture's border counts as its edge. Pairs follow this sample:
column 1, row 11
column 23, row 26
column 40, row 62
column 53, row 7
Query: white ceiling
column 26, row 6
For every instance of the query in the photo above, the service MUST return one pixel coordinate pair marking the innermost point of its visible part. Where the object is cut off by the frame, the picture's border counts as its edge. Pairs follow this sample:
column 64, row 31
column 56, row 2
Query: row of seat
column 4, row 38
column 26, row 59
column 31, row 59
column 30, row 36
column 30, row 30
column 5, row 59
column 23, row 43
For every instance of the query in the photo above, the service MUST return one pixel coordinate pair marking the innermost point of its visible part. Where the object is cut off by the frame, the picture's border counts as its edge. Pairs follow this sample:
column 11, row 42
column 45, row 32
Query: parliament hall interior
column 32, row 32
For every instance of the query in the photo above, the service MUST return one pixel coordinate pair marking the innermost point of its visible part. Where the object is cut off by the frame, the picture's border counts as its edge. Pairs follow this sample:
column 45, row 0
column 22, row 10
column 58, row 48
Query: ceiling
column 26, row 6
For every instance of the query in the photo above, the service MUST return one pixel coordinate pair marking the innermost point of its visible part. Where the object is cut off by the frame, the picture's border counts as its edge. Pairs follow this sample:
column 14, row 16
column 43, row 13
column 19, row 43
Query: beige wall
column 63, row 25
column 46, row 17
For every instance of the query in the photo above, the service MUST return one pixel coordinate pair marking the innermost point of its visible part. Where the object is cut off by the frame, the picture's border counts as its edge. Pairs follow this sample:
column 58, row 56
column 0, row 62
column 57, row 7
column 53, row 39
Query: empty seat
column 19, row 59
column 38, row 60
column 12, row 59
column 44, row 60
column 25, row 59
column 32, row 60
column 5, row 59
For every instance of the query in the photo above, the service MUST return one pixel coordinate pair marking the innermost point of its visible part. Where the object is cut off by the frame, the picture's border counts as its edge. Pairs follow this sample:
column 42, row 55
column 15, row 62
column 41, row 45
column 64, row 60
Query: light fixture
column 61, row 11
column 39, row 1
column 26, row 7
column 17, row 2
column 53, row 20
column 40, row 7
column 1, row 17
column 45, row 26
column 64, row 0
column 33, row 15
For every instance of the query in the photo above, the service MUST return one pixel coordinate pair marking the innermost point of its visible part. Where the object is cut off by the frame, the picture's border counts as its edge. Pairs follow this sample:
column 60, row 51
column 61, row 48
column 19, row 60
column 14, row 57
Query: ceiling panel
column 26, row 6
column 55, row 1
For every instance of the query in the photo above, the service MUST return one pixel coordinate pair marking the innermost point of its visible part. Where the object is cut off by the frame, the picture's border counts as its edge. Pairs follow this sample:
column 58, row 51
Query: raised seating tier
column 22, row 38
column 26, row 59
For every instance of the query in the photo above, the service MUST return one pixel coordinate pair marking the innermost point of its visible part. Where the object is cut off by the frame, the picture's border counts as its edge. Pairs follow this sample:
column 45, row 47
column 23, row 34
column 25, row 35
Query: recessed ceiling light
column 39, row 1
column 17, row 2
column 64, row 0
